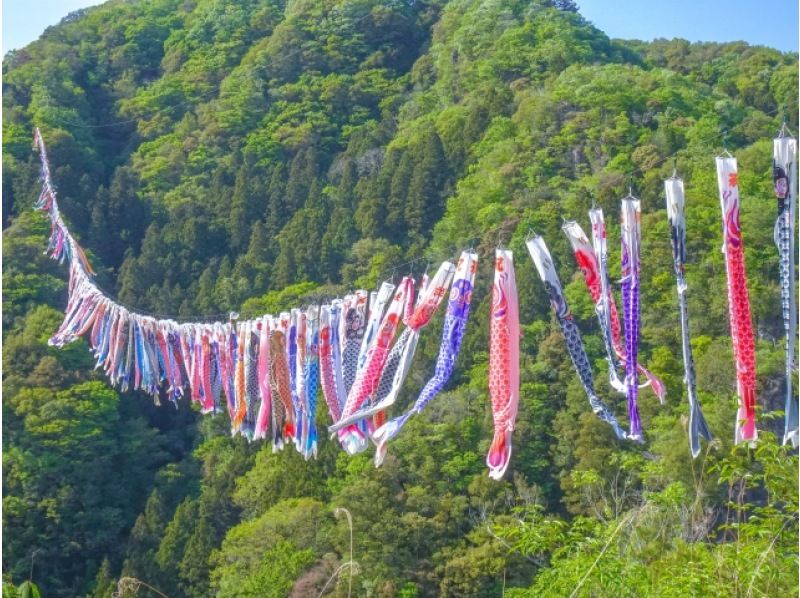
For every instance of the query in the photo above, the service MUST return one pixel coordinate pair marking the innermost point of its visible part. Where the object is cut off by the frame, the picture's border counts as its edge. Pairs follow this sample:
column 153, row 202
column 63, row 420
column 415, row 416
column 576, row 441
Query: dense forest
column 254, row 155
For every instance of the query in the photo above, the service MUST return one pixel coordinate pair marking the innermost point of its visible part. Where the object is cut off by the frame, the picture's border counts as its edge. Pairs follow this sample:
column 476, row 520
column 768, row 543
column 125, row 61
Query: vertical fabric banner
column 784, row 153
column 673, row 188
column 572, row 336
column 631, row 239
column 744, row 348
column 504, row 334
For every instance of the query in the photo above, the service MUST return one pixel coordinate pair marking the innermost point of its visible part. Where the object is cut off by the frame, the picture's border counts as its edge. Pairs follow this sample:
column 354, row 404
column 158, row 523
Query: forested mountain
column 254, row 155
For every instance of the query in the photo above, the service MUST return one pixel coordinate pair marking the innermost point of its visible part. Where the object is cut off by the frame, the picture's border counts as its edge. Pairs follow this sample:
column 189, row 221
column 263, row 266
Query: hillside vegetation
column 255, row 155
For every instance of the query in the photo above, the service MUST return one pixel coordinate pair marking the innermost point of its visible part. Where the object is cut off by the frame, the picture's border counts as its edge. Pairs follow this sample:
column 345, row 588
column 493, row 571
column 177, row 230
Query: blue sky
column 764, row 22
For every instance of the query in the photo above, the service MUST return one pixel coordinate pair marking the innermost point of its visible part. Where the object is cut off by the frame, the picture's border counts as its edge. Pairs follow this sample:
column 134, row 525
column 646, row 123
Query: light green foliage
column 267, row 155
column 263, row 556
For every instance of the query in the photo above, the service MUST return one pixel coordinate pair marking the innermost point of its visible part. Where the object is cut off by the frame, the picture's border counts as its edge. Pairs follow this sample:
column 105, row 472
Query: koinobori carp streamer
column 784, row 155
column 673, row 187
column 742, row 337
column 504, row 335
column 572, row 336
column 630, row 237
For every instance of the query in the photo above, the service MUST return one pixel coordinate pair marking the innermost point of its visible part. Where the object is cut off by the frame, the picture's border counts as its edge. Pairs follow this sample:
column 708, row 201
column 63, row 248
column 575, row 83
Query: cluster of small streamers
column 452, row 334
column 698, row 427
column 592, row 259
column 547, row 272
column 504, row 335
column 368, row 375
column 742, row 337
column 630, row 211
column 398, row 362
column 784, row 152
column 247, row 362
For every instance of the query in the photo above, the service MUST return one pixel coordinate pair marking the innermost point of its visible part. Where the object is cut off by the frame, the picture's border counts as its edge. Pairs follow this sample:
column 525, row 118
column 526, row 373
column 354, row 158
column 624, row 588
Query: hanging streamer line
column 572, row 336
column 265, row 372
column 784, row 154
column 268, row 369
column 677, row 226
column 742, row 337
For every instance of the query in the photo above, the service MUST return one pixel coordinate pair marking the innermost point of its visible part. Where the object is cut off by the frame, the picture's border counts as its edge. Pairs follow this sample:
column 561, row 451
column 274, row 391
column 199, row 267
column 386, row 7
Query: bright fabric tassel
column 328, row 322
column 677, row 225
column 784, row 154
column 311, row 381
column 265, row 391
column 452, row 334
column 631, row 239
column 504, row 335
column 744, row 349
column 572, row 336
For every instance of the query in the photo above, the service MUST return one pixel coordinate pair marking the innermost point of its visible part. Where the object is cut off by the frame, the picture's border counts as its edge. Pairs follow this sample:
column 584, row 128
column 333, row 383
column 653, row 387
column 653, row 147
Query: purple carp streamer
column 742, row 336
column 784, row 154
column 552, row 284
column 698, row 427
column 452, row 334
column 631, row 238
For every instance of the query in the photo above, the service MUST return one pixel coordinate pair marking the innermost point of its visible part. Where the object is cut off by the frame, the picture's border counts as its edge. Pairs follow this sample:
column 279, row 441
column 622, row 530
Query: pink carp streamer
column 265, row 408
column 742, row 337
column 504, row 335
